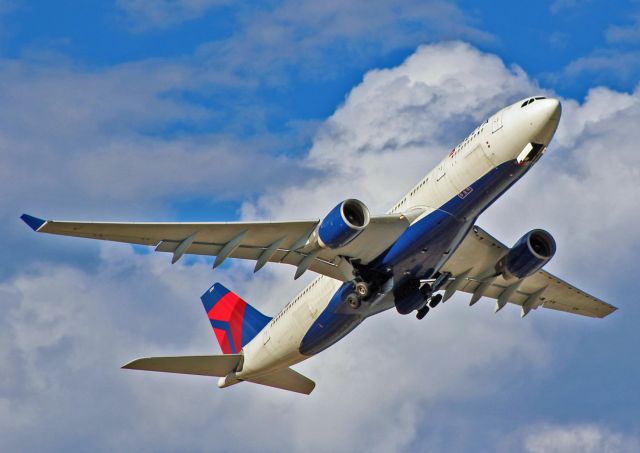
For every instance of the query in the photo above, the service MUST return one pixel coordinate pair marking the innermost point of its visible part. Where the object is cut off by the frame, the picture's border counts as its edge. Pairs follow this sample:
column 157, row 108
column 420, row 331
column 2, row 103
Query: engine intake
column 343, row 224
column 528, row 255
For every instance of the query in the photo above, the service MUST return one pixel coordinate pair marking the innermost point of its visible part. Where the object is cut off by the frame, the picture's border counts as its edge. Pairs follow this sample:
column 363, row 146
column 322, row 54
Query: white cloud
column 290, row 38
column 617, row 65
column 284, row 28
column 67, row 330
column 584, row 190
column 625, row 33
column 578, row 439
column 118, row 143
column 77, row 140
column 396, row 125
column 107, row 133
column 145, row 14
column 347, row 402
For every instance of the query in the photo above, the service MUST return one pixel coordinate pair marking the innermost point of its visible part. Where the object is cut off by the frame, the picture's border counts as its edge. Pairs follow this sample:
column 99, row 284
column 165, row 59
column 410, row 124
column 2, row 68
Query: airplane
column 423, row 250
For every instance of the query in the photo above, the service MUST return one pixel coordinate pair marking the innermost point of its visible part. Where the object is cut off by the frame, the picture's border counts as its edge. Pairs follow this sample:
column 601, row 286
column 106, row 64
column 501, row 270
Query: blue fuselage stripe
column 418, row 253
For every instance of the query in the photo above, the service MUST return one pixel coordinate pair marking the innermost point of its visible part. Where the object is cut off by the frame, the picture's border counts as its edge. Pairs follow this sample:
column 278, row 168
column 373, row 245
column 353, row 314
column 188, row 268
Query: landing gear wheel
column 422, row 312
column 362, row 289
column 426, row 291
column 435, row 300
column 353, row 300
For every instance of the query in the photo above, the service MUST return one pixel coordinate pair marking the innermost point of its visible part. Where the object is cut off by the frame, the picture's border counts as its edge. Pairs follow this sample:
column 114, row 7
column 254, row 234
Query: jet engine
column 343, row 224
column 528, row 255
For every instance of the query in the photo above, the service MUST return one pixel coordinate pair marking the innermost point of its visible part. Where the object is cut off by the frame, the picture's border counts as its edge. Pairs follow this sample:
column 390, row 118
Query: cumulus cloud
column 578, row 439
column 78, row 142
column 66, row 332
column 396, row 125
column 592, row 160
column 107, row 123
column 67, row 329
column 126, row 329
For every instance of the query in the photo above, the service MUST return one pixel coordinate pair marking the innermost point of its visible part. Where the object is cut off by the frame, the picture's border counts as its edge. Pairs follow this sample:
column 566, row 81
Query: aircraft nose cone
column 549, row 114
column 554, row 109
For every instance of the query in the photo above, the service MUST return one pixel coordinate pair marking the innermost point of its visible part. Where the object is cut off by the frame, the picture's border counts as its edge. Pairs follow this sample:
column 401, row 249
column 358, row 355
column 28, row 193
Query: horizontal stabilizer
column 286, row 379
column 202, row 365
column 221, row 366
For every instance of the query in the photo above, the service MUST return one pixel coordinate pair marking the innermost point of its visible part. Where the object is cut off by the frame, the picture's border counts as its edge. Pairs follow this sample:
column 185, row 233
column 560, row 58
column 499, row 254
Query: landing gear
column 431, row 300
column 426, row 291
column 435, row 300
column 353, row 300
column 422, row 312
column 362, row 289
column 441, row 280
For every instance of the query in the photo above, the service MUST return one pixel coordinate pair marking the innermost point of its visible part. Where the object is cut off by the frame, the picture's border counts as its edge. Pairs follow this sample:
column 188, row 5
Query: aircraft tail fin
column 235, row 322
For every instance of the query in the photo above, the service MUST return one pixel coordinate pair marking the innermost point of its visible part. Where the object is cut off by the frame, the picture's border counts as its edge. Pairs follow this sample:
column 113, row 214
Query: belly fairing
column 420, row 251
column 417, row 254
column 336, row 320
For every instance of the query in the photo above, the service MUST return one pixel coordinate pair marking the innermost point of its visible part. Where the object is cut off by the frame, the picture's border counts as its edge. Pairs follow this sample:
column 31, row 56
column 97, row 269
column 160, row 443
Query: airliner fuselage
column 446, row 202
column 415, row 256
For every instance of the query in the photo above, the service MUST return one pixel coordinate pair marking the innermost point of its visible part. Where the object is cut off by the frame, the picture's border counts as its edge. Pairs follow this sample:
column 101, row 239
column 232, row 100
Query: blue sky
column 544, row 38
column 217, row 110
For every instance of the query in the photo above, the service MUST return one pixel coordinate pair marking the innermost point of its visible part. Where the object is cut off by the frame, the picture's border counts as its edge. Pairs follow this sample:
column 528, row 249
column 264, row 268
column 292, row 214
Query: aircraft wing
column 282, row 242
column 472, row 267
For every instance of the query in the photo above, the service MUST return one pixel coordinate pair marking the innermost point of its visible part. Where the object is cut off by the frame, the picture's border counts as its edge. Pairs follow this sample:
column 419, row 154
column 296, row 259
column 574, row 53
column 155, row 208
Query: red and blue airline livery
column 234, row 322
column 412, row 258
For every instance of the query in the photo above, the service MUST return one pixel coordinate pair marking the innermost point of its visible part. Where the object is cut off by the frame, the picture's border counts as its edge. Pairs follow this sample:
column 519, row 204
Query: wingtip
column 611, row 310
column 130, row 365
column 34, row 222
column 311, row 389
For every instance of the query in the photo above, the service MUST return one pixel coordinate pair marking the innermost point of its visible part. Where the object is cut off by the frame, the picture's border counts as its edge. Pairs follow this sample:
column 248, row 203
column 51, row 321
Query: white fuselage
column 500, row 139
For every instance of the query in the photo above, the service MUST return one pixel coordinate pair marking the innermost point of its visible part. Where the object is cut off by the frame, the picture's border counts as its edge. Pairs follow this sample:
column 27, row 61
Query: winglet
column 34, row 223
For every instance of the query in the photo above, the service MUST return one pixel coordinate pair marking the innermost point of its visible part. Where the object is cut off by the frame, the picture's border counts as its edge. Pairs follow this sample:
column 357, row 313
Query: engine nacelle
column 528, row 255
column 343, row 224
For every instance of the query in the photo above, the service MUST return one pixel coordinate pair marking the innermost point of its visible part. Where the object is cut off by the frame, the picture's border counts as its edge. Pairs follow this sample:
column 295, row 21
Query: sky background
column 218, row 110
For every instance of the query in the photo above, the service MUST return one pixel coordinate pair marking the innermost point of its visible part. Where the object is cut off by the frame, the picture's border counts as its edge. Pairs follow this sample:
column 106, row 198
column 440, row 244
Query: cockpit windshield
column 530, row 101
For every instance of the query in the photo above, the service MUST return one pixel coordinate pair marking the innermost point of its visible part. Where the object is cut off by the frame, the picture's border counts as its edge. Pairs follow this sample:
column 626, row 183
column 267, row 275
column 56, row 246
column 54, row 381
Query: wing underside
column 280, row 242
column 472, row 267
